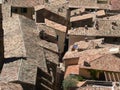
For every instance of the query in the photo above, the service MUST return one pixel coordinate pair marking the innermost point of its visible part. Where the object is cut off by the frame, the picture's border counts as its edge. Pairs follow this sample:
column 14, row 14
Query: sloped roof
column 54, row 6
column 72, row 69
column 102, row 50
column 51, row 56
column 55, row 25
column 48, row 45
column 106, row 62
column 10, row 86
column 13, row 40
column 50, row 49
column 112, row 17
column 24, row 68
column 82, row 3
column 48, row 30
column 26, row 3
column 115, row 4
column 87, row 16
column 105, row 28
column 87, row 4
column 89, row 44
column 77, row 11
column 31, row 41
column 89, row 58
column 49, row 12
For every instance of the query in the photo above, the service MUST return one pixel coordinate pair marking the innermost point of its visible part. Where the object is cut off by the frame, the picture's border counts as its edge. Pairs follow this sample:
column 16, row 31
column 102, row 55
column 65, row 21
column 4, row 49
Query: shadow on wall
column 12, row 59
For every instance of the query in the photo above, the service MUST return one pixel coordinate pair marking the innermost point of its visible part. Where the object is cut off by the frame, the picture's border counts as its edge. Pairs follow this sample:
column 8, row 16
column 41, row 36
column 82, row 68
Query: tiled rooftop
column 48, row 30
column 24, row 68
column 51, row 56
column 72, row 69
column 90, row 44
column 87, row 4
column 82, row 3
column 115, row 4
column 26, row 3
column 76, row 54
column 50, row 49
column 10, row 86
column 87, row 16
column 54, row 7
column 106, row 62
column 112, row 16
column 51, row 46
column 55, row 25
column 13, row 40
column 59, row 21
column 77, row 11
column 105, row 28
column 83, row 45
column 100, row 59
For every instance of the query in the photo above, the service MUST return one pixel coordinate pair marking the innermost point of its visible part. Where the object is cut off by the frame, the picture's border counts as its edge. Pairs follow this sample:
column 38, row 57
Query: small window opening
column 23, row 10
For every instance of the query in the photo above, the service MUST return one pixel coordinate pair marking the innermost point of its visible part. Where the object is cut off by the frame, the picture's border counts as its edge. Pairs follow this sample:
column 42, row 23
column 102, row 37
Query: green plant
column 93, row 74
column 77, row 77
column 69, row 82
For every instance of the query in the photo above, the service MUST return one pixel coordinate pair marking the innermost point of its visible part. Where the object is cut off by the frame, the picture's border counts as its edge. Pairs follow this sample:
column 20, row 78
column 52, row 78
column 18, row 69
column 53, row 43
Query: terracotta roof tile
column 75, row 54
column 87, row 4
column 90, row 44
column 10, row 86
column 112, row 17
column 83, row 3
column 87, row 16
column 47, row 30
column 77, row 11
column 106, row 62
column 55, row 5
column 115, row 4
column 55, row 25
column 72, row 69
column 105, row 29
column 89, row 58
column 24, row 68
column 13, row 40
column 26, row 3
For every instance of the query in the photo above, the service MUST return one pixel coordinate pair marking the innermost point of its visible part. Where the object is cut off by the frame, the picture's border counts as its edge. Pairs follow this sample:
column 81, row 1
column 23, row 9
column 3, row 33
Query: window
column 102, row 1
column 57, row 37
column 23, row 10
column 14, row 10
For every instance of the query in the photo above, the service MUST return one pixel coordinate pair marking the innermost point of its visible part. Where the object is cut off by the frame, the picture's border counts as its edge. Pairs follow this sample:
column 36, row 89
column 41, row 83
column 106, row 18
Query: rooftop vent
column 87, row 64
column 114, row 23
column 75, row 47
column 60, row 9
column 86, row 27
